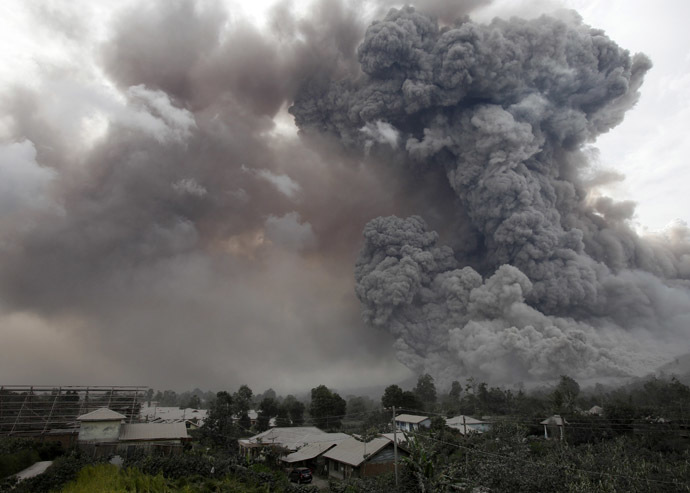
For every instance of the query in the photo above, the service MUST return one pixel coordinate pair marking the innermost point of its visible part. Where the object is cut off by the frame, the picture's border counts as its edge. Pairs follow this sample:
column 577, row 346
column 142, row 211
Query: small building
column 467, row 424
column 290, row 439
column 163, row 438
column 310, row 456
column 595, row 411
column 100, row 426
column 103, row 432
column 410, row 422
column 554, row 427
column 354, row 459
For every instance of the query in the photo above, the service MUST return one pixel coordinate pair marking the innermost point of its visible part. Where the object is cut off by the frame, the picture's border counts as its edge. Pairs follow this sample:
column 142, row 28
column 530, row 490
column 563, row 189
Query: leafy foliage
column 17, row 454
column 403, row 400
column 219, row 429
column 295, row 410
column 327, row 408
column 425, row 390
column 108, row 478
column 63, row 470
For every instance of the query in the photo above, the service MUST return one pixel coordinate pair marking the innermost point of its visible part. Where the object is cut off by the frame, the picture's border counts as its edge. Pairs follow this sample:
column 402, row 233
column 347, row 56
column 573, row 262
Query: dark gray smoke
column 544, row 276
column 157, row 226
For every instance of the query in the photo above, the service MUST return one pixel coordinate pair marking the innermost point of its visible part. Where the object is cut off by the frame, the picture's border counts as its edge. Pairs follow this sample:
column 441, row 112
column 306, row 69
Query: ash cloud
column 157, row 204
column 541, row 276
column 153, row 205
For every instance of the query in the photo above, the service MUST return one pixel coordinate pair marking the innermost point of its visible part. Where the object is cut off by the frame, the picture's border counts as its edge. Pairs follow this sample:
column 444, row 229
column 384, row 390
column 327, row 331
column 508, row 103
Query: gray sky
column 162, row 224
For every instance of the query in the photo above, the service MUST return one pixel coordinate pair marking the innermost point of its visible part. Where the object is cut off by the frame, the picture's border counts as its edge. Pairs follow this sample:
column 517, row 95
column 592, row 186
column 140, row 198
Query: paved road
column 35, row 470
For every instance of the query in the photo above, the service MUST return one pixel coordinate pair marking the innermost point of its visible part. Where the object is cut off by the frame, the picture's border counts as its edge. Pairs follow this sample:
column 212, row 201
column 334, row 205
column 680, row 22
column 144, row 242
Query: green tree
column 149, row 396
column 392, row 396
column 283, row 417
column 242, row 401
column 295, row 410
column 267, row 409
column 410, row 402
column 326, row 408
column 426, row 390
column 563, row 397
column 194, row 402
column 219, row 429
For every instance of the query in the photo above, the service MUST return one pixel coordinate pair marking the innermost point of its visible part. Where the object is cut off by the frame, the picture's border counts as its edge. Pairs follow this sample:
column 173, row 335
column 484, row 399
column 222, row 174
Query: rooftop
column 554, row 420
column 354, row 452
column 309, row 451
column 292, row 438
column 469, row 420
column 102, row 414
column 153, row 431
column 410, row 418
column 159, row 414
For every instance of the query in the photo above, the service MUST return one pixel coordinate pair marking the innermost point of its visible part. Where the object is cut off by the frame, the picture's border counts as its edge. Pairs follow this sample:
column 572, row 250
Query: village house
column 410, row 422
column 554, row 427
column 290, row 439
column 352, row 458
column 103, row 432
column 595, row 411
column 467, row 424
column 311, row 456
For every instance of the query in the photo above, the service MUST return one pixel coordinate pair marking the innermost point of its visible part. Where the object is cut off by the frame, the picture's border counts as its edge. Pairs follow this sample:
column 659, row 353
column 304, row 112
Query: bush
column 13, row 463
column 108, row 478
column 17, row 454
column 63, row 470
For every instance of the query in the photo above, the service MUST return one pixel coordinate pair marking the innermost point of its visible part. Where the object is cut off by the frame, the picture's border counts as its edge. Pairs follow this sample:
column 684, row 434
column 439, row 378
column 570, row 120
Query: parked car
column 300, row 475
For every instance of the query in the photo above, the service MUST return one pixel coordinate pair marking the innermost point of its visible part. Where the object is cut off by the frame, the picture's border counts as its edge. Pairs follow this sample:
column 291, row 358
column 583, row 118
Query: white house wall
column 99, row 431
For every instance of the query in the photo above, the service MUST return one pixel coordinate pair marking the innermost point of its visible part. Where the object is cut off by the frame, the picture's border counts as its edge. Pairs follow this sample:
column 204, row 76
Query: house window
column 335, row 466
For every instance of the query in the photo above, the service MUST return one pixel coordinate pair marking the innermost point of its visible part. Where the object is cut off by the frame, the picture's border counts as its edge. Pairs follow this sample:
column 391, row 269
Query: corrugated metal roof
column 153, row 431
column 102, row 414
column 292, row 438
column 309, row 451
column 400, row 436
column 354, row 452
column 554, row 420
column 158, row 414
column 410, row 418
column 458, row 420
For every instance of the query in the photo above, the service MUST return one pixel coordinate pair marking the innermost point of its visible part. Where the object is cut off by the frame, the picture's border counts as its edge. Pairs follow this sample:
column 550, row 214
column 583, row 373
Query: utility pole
column 395, row 448
column 467, row 457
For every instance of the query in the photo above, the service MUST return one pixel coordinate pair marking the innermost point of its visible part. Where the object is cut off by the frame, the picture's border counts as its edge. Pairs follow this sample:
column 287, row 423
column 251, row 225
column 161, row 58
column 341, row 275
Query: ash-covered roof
column 309, row 451
column 354, row 452
column 411, row 418
column 102, row 414
column 153, row 431
column 554, row 420
column 160, row 414
column 292, row 438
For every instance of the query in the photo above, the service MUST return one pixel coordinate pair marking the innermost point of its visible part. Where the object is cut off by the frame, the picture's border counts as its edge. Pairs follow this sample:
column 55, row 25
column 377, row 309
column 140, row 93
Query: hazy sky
column 162, row 224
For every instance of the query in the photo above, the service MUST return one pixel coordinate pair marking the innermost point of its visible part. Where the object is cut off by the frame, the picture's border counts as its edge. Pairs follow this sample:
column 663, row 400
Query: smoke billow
column 155, row 198
column 539, row 275
column 150, row 202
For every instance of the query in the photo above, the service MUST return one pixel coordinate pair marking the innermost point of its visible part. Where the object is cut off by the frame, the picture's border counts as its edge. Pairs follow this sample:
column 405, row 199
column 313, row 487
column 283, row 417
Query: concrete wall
column 99, row 431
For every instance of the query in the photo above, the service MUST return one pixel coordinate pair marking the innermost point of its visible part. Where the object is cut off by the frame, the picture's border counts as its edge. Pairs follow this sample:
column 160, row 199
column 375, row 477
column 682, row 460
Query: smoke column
column 536, row 275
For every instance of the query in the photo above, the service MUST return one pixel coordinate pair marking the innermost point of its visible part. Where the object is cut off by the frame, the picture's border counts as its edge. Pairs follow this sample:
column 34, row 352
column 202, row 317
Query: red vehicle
column 300, row 475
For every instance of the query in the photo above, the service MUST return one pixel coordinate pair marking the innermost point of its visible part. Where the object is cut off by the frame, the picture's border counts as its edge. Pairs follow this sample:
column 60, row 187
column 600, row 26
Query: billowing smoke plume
column 543, row 276
column 150, row 203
